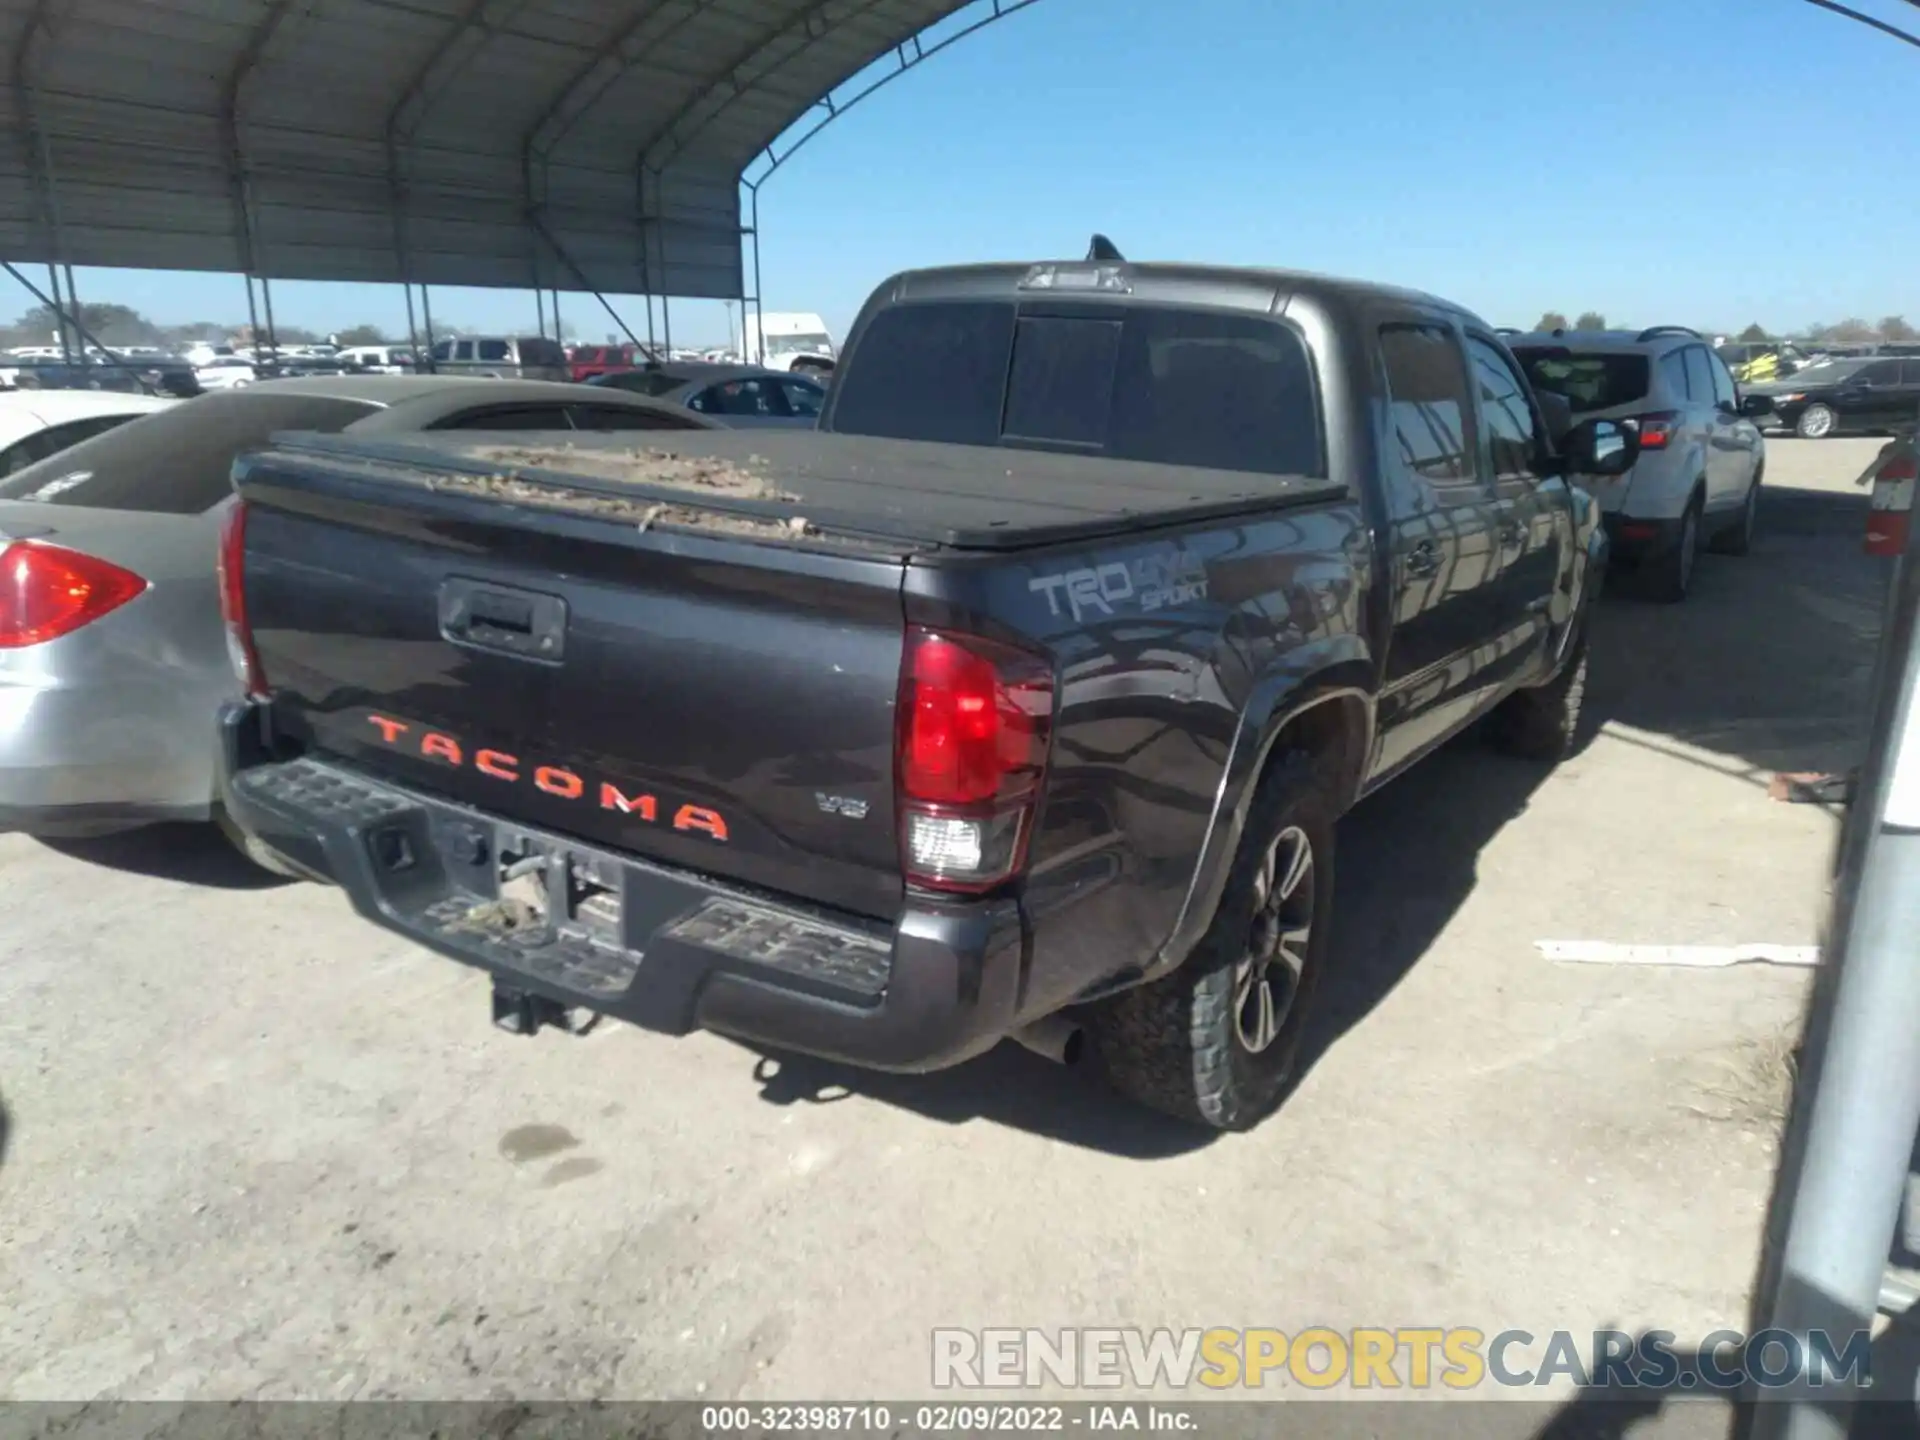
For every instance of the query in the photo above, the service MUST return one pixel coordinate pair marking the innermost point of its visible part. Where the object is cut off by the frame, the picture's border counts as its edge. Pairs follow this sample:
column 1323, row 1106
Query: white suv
column 1701, row 454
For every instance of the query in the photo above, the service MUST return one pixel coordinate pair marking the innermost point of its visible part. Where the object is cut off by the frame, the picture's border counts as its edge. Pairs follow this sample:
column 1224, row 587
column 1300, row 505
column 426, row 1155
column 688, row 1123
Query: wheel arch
column 1321, row 702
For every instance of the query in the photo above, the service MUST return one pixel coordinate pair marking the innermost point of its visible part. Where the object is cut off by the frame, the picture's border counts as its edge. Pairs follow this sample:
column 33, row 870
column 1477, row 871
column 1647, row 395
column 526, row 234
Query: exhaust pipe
column 1054, row 1038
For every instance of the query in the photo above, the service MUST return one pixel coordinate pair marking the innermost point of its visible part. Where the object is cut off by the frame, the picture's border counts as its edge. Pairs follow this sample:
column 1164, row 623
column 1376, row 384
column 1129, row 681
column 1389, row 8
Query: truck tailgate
column 710, row 700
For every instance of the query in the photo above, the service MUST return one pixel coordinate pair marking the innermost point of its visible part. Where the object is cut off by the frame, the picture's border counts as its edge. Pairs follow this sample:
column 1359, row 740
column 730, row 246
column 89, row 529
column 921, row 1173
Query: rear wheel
column 1214, row 1042
column 1815, row 423
column 1544, row 723
column 1671, row 575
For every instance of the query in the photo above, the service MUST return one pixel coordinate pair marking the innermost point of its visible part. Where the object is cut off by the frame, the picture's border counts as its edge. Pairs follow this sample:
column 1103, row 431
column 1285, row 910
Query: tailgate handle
column 522, row 623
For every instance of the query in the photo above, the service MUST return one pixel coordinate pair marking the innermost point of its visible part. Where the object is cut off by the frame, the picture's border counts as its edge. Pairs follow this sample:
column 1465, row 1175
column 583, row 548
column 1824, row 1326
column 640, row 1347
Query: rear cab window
column 175, row 461
column 1168, row 385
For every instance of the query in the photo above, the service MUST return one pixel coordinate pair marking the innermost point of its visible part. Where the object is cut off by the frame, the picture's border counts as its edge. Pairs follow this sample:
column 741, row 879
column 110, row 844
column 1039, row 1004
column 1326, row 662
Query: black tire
column 1737, row 538
column 1544, row 723
column 1670, row 577
column 1816, row 422
column 1179, row 1044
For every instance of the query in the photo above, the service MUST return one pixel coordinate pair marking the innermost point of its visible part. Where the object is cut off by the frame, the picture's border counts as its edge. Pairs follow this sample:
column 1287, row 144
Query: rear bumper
column 662, row 948
column 78, row 761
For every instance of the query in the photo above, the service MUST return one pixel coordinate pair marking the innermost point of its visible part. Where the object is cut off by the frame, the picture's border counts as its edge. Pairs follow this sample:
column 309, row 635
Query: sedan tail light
column 47, row 591
column 975, row 718
column 233, row 601
column 1656, row 428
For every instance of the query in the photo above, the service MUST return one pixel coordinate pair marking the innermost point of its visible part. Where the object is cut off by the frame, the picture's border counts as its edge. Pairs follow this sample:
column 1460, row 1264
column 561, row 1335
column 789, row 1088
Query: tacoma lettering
column 555, row 780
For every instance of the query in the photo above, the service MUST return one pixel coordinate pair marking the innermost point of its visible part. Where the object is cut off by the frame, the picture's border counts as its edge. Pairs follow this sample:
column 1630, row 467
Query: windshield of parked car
column 175, row 461
column 1156, row 383
column 1587, row 380
column 799, row 342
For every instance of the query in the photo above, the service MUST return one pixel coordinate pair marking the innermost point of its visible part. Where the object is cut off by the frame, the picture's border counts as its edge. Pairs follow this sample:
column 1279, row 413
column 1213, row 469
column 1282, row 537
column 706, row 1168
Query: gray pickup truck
column 1020, row 700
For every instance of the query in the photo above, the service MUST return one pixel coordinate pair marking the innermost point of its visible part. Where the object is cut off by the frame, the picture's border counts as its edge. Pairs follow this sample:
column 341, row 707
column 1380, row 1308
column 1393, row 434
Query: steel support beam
column 1843, row 1175
column 64, row 317
column 233, row 97
column 464, row 39
column 38, row 154
column 810, row 22
column 579, row 275
column 584, row 89
column 907, row 56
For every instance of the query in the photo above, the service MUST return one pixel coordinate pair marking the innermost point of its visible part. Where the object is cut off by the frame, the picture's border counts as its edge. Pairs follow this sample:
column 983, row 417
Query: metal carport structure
column 585, row 145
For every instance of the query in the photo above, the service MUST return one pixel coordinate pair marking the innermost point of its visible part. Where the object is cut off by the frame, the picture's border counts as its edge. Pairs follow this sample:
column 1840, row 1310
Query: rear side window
column 620, row 417
column 508, row 417
column 493, row 349
column 1590, row 381
column 1673, row 374
column 176, row 461
column 1699, row 375
column 805, row 398
column 1724, row 392
column 1163, row 385
column 1428, row 400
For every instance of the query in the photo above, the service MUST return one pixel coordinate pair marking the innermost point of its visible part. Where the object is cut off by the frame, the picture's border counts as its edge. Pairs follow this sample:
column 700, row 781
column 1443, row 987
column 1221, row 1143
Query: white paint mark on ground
column 1699, row 957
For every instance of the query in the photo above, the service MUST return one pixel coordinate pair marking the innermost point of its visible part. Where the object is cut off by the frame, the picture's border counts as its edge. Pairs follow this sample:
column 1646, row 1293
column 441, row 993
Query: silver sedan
column 112, row 655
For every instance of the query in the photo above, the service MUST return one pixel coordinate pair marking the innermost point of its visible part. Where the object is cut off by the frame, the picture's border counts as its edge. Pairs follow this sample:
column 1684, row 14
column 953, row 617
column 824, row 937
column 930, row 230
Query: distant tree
column 1754, row 332
column 361, row 335
column 109, row 324
column 1895, row 327
column 1591, row 320
column 1552, row 320
column 1852, row 330
column 208, row 330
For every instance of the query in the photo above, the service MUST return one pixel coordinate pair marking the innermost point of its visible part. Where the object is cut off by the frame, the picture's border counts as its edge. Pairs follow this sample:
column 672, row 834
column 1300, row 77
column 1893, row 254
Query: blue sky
column 1696, row 161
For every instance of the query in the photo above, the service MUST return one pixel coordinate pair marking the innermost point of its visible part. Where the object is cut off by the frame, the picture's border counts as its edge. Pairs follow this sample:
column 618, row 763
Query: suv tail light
column 233, row 601
column 974, row 722
column 1656, row 429
column 47, row 591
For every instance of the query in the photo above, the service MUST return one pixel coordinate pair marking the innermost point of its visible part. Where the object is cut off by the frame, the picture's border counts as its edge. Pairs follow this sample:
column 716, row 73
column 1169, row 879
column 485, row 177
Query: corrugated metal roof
column 432, row 140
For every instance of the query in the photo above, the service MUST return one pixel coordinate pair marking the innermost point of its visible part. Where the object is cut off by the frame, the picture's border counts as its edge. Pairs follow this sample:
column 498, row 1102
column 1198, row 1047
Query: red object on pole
column 1891, row 517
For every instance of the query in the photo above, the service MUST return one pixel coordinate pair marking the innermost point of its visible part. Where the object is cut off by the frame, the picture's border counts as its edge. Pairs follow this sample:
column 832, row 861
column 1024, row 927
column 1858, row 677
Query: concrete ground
column 257, row 1148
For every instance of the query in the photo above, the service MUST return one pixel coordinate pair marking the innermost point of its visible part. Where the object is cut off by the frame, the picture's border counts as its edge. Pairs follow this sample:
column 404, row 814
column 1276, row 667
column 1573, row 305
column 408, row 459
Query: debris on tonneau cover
column 634, row 465
column 642, row 465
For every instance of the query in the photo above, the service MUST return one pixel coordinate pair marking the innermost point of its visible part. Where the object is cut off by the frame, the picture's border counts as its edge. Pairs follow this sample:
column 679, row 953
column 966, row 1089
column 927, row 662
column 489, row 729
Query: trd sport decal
column 554, row 780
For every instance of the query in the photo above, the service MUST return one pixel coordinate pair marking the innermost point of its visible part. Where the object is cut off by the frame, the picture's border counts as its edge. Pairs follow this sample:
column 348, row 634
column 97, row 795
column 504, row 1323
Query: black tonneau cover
column 966, row 497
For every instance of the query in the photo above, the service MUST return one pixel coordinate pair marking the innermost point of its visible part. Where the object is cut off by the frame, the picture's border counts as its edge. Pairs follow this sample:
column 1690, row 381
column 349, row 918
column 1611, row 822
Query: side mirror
column 1752, row 407
column 1602, row 447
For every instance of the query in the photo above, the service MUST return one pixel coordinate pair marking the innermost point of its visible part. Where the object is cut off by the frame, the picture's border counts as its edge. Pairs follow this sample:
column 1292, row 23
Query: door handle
column 1423, row 560
column 522, row 623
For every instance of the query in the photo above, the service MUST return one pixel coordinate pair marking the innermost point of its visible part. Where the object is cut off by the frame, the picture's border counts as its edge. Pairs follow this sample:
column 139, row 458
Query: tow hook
column 521, row 1012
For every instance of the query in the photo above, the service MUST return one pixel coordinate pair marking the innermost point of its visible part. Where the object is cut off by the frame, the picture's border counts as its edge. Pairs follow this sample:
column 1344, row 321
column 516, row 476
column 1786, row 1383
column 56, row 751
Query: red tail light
column 47, row 591
column 975, row 718
column 233, row 601
column 1656, row 429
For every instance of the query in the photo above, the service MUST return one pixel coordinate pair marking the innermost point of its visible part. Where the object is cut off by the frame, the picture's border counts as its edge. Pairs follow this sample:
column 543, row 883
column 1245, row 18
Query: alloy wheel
column 1267, row 980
